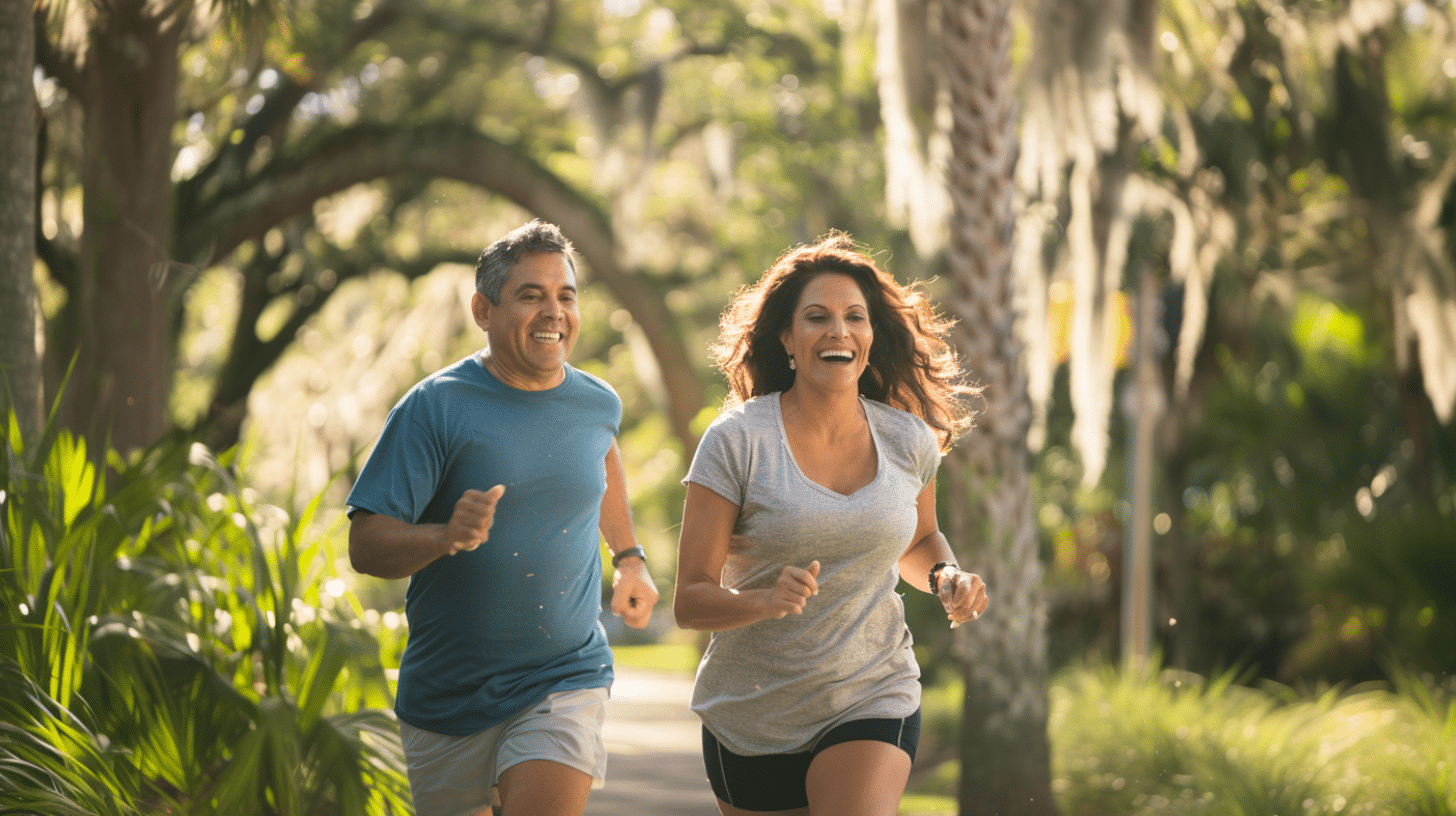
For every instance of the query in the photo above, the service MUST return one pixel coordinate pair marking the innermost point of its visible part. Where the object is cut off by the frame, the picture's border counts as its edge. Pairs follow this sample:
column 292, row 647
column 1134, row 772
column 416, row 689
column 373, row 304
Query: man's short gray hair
column 498, row 259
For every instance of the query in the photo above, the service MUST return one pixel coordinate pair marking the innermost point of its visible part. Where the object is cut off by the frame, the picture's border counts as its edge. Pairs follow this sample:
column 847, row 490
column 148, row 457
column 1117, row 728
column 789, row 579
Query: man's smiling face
column 533, row 329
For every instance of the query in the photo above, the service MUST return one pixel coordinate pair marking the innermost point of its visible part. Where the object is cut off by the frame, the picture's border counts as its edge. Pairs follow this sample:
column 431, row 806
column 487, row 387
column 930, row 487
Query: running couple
column 809, row 498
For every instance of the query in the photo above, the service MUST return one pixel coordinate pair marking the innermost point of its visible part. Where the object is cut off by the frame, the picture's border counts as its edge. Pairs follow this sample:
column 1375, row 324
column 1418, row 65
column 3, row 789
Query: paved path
column 654, row 746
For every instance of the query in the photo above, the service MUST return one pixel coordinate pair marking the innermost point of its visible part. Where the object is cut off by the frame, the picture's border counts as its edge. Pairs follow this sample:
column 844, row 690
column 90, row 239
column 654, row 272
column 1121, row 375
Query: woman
column 810, row 496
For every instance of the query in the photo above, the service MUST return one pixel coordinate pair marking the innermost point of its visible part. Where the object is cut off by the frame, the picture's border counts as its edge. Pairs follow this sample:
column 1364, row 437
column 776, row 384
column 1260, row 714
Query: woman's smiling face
column 830, row 336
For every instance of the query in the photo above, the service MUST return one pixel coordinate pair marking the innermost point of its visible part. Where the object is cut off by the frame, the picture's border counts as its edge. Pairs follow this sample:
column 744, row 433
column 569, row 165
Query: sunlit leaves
column 49, row 761
column 1323, row 328
column 1176, row 743
column 176, row 651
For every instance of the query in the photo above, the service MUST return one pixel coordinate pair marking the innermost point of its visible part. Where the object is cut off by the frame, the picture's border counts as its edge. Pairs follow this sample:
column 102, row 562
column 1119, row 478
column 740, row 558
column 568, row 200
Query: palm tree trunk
column 1005, row 758
column 122, row 311
column 20, row 377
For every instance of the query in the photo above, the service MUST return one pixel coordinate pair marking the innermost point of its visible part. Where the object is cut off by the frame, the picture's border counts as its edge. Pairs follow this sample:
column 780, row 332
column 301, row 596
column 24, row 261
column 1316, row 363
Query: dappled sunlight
column 314, row 416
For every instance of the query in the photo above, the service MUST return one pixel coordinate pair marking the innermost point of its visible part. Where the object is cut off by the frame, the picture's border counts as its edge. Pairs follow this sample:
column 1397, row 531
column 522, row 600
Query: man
column 487, row 488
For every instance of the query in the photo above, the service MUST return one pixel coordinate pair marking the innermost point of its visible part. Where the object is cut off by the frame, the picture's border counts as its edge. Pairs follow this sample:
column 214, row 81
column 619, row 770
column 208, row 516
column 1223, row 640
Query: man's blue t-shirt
column 493, row 630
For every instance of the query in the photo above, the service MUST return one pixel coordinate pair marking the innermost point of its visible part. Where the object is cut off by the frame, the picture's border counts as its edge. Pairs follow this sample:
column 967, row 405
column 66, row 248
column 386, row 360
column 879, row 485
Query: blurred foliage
column 1154, row 740
column 1306, row 485
column 680, row 657
column 1150, row 741
column 171, row 644
column 1294, row 538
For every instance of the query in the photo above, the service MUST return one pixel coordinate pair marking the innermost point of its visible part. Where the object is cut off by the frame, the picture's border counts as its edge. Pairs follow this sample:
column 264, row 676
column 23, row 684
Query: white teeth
column 546, row 335
column 836, row 355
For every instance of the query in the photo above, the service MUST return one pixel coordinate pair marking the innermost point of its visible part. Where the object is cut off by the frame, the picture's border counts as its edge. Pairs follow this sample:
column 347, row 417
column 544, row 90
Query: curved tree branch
column 290, row 187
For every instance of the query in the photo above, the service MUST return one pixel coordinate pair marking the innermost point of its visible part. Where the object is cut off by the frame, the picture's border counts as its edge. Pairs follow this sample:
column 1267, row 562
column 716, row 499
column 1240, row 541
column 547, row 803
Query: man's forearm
column 387, row 547
column 616, row 511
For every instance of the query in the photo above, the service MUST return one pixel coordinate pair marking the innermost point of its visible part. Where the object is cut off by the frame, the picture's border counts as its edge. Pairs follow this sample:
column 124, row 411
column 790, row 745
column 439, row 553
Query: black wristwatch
column 628, row 553
column 935, row 576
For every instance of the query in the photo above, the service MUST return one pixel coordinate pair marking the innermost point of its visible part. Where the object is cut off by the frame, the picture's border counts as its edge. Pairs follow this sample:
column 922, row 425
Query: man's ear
column 480, row 310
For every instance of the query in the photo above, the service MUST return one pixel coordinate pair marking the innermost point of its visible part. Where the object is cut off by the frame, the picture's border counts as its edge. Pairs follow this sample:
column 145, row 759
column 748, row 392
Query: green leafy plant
column 1150, row 741
column 168, row 644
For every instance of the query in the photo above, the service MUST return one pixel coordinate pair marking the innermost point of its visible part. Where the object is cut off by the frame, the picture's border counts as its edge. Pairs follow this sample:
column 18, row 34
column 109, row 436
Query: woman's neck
column 823, row 413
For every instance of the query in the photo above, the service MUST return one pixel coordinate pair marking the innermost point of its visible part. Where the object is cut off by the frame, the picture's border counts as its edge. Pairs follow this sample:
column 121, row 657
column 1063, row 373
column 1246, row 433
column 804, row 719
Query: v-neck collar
column 778, row 412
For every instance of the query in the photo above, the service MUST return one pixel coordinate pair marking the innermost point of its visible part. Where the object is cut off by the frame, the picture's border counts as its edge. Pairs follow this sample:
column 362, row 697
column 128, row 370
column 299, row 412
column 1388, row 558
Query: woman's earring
column 792, row 364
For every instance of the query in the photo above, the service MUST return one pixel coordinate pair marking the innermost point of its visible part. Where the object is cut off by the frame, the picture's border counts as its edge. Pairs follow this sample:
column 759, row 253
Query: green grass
column 920, row 804
column 1165, row 742
column 671, row 658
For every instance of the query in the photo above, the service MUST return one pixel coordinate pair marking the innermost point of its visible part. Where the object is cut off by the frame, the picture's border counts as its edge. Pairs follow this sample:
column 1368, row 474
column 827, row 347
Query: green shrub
column 168, row 644
column 1166, row 742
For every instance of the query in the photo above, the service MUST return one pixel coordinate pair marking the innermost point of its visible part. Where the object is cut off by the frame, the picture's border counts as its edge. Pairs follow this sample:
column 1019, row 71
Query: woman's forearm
column 916, row 563
column 707, row 607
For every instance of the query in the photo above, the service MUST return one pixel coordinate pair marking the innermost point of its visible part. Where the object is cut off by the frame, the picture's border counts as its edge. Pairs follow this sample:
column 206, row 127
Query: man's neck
column 519, row 381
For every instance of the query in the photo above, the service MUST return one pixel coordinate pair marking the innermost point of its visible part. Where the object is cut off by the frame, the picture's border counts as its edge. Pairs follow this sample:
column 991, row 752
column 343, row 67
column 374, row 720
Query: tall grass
column 169, row 645
column 1154, row 742
column 1165, row 742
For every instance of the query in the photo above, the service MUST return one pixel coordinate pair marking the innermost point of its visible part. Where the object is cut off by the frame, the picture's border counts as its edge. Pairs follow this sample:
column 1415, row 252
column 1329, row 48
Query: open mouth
column 547, row 337
column 837, row 356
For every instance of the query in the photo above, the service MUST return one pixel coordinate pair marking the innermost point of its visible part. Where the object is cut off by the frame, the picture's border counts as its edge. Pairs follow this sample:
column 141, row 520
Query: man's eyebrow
column 539, row 288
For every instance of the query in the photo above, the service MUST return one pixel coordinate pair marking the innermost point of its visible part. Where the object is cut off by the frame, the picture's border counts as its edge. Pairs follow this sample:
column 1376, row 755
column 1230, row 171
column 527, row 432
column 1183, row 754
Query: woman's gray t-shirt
column 775, row 686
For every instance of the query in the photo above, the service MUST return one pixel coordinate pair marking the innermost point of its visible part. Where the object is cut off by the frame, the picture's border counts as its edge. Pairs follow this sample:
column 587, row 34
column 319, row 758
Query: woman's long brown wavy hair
column 911, row 365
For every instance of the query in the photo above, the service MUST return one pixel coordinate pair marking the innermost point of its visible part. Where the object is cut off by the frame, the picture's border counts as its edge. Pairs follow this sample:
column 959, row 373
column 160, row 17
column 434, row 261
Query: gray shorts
column 455, row 776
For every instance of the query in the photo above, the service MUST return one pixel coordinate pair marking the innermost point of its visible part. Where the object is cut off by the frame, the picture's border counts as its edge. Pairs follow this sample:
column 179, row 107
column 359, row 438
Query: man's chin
column 549, row 364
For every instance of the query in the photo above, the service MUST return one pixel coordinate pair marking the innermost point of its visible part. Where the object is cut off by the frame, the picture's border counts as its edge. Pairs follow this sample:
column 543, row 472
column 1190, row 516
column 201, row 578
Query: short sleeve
column 927, row 452
column 403, row 471
column 721, row 462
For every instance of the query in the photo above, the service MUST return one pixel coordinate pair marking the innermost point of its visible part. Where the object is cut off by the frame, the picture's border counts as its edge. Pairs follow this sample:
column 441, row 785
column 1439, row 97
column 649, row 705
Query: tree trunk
column 1005, row 757
column 20, row 377
column 119, row 314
